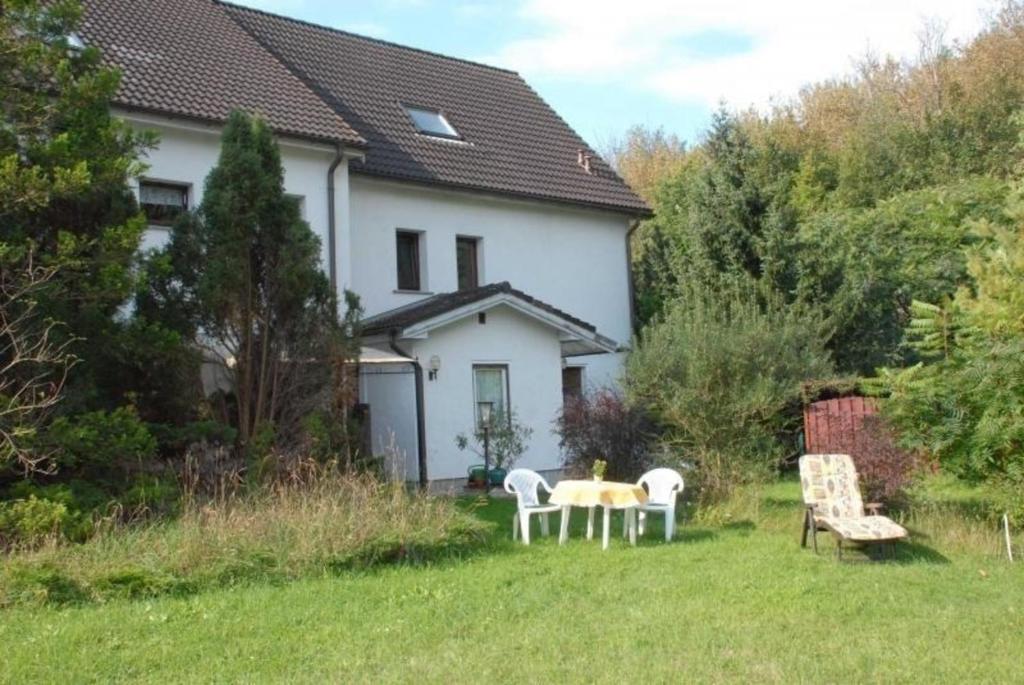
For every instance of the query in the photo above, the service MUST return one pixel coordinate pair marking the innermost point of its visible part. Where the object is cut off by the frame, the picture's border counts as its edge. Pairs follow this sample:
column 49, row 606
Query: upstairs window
column 466, row 263
column 162, row 202
column 431, row 122
column 407, row 244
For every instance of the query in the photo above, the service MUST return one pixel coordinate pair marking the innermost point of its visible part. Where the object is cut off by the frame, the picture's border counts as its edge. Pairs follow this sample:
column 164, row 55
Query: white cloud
column 791, row 42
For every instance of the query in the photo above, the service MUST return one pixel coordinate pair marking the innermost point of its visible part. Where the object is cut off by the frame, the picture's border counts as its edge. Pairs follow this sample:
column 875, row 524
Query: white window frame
column 506, row 385
column 421, row 260
column 186, row 189
column 450, row 132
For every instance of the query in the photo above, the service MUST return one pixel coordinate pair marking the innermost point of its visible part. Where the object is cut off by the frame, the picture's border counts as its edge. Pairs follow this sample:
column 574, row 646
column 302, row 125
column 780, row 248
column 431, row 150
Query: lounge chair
column 833, row 503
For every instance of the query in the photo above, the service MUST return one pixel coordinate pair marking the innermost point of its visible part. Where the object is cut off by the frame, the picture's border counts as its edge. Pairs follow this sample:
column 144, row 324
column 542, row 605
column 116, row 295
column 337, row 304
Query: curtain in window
column 490, row 388
column 150, row 194
column 162, row 202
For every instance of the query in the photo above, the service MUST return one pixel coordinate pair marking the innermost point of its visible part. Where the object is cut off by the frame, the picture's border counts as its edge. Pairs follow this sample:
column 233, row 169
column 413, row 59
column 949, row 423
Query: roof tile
column 513, row 142
column 203, row 58
column 189, row 58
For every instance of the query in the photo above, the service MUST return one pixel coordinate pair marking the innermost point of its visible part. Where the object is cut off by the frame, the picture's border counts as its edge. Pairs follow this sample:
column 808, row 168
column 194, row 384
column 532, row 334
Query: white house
column 488, row 243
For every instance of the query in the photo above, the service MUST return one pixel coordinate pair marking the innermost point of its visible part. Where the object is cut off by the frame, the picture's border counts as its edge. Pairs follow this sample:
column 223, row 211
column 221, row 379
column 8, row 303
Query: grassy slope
column 735, row 602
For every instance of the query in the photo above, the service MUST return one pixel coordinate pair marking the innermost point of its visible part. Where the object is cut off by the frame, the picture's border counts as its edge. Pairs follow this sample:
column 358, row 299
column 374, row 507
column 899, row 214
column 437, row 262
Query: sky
column 605, row 66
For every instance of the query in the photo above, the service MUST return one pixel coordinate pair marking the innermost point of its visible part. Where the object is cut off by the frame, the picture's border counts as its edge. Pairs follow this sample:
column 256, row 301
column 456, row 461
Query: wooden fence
column 828, row 422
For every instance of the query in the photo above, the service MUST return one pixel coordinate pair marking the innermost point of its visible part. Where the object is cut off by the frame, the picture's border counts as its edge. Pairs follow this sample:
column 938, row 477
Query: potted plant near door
column 500, row 442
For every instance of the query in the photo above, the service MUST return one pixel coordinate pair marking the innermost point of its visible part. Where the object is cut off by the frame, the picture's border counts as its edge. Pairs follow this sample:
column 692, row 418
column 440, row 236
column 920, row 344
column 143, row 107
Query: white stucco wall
column 532, row 353
column 574, row 259
column 188, row 152
column 390, row 390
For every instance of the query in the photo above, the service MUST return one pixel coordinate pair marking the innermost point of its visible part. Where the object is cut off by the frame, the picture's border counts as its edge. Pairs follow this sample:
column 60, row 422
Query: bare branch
column 34, row 363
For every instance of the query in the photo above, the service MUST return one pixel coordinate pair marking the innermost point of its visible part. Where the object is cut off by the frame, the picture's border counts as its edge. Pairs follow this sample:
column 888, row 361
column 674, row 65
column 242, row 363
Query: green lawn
column 738, row 601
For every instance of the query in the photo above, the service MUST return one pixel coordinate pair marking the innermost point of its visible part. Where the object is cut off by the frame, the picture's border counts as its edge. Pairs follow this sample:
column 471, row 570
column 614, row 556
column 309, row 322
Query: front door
column 572, row 382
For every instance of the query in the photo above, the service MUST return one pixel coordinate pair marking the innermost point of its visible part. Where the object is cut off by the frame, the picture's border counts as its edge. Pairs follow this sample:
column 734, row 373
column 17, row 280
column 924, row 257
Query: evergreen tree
column 69, row 224
column 259, row 302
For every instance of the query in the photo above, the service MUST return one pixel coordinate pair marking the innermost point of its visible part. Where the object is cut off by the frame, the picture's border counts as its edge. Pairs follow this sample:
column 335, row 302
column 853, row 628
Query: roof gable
column 189, row 58
column 512, row 142
column 418, row 319
column 203, row 58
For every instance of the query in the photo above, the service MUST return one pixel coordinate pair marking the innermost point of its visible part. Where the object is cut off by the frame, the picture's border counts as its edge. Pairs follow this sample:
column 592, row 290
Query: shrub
column 602, row 425
column 506, row 442
column 885, row 469
column 31, row 521
column 722, row 374
column 175, row 440
column 149, row 493
column 98, row 442
column 334, row 436
column 74, row 494
column 313, row 521
column 1007, row 495
column 964, row 404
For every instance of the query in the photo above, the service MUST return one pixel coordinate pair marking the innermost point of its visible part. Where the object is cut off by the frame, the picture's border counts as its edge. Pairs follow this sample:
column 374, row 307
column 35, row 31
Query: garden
column 733, row 598
column 864, row 239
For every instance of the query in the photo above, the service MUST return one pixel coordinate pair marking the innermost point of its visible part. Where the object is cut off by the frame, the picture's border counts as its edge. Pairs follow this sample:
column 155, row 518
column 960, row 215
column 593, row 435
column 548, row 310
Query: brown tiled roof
column 514, row 142
column 189, row 58
column 428, row 308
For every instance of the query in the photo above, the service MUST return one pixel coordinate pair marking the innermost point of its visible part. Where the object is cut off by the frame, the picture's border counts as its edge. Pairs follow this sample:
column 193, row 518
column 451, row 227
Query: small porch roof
column 371, row 355
column 416, row 320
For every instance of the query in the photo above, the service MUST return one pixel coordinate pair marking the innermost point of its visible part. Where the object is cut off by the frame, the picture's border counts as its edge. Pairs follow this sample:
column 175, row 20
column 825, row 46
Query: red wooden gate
column 827, row 422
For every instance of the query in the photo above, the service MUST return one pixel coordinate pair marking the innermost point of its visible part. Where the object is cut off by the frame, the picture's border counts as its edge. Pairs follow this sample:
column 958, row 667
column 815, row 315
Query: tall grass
column 317, row 523
column 943, row 514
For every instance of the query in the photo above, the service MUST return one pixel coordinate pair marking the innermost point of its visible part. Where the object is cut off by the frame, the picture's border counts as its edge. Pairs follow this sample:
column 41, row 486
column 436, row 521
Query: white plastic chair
column 524, row 484
column 663, row 486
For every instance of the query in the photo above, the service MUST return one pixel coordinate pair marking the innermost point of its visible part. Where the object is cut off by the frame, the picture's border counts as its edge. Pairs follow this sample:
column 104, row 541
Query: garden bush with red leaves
column 884, row 468
column 602, row 425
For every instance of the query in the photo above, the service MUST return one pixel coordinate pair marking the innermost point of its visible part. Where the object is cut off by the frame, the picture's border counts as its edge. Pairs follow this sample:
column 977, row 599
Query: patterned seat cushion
column 829, row 483
column 865, row 528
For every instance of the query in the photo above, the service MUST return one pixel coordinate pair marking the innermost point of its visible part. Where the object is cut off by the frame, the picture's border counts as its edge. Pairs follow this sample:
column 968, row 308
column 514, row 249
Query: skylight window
column 431, row 122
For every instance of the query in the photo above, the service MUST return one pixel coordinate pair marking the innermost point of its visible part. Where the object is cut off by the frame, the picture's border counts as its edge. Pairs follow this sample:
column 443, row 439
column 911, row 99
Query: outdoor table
column 598, row 493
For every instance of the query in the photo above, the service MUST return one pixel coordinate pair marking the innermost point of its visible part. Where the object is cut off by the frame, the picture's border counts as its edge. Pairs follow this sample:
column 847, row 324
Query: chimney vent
column 583, row 159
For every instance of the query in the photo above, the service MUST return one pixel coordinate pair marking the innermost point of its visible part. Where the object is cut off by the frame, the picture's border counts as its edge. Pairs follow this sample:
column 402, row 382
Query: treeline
column 844, row 206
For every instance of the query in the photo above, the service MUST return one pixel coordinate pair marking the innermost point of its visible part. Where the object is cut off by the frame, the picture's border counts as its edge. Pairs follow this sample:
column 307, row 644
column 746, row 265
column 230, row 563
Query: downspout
column 332, row 257
column 421, row 421
column 633, row 225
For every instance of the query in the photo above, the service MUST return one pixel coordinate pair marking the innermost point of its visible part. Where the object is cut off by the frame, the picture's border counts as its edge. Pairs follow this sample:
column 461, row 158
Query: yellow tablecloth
column 592, row 493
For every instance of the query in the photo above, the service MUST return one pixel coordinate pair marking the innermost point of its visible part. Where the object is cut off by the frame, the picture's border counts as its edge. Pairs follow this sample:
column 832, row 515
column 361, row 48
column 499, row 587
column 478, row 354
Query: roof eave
column 359, row 144
column 575, row 339
column 628, row 211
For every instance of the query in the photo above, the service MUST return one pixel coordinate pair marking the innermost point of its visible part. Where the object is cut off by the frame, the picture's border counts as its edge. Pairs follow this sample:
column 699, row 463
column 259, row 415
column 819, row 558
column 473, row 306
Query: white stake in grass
column 1006, row 533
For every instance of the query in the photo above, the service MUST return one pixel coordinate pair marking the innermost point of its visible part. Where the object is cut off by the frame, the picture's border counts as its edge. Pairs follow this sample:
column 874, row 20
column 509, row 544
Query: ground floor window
column 490, row 389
